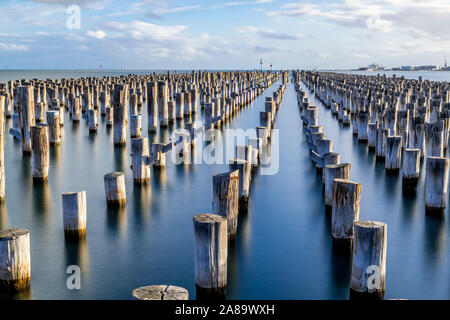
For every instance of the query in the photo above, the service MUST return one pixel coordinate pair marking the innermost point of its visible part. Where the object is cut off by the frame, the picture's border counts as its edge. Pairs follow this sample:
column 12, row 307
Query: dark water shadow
column 435, row 237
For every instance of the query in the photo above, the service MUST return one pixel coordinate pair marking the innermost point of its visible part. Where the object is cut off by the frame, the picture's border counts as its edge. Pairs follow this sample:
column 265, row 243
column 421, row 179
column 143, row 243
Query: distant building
column 426, row 68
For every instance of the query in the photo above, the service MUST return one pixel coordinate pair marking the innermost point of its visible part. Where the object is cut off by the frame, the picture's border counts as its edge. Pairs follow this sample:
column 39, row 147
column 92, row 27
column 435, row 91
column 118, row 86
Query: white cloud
column 268, row 33
column 99, row 34
column 13, row 47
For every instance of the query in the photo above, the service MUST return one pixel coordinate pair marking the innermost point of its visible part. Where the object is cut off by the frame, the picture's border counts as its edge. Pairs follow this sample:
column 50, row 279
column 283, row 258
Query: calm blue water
column 283, row 248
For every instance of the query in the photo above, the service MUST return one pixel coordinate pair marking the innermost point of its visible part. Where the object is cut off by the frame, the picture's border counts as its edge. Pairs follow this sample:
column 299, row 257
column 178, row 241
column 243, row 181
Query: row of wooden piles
column 342, row 197
column 168, row 97
column 405, row 121
column 213, row 231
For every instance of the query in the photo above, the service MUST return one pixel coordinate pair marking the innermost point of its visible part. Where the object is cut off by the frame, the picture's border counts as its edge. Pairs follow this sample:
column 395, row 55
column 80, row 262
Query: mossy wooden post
column 2, row 155
column 211, row 252
column 152, row 106
column 393, row 156
column 120, row 114
column 139, row 154
column 411, row 169
column 436, row 184
column 333, row 171
column 369, row 260
column 26, row 115
column 40, row 155
column 345, row 208
column 244, row 177
column 226, row 199
column 115, row 189
column 74, row 214
column 54, row 127
column 15, row 260
column 160, row 292
column 135, row 126
column 92, row 120
column 158, row 156
column 163, row 111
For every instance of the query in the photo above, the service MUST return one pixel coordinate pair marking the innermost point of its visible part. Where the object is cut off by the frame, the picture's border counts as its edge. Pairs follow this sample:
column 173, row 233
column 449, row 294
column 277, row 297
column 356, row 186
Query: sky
column 227, row 34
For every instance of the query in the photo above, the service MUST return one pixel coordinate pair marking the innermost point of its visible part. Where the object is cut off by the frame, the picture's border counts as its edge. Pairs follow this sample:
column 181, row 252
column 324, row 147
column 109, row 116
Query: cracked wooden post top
column 15, row 261
column 161, row 292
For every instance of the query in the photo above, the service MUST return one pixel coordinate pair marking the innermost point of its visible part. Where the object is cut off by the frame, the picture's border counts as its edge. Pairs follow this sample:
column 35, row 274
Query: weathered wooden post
column 15, row 261
column 135, row 126
column 226, row 199
column 120, row 114
column 329, row 158
column 104, row 103
column 115, row 189
column 109, row 116
column 76, row 110
column 2, row 156
column 194, row 100
column 324, row 146
column 133, row 105
column 187, row 103
column 139, row 155
column 160, row 292
column 92, row 120
column 436, row 184
column 163, row 92
column 179, row 105
column 393, row 158
column 40, row 155
column 54, row 127
column 74, row 214
column 372, row 135
column 333, row 171
column 211, row 253
column 26, row 115
column 369, row 260
column 382, row 134
column 171, row 110
column 38, row 111
column 434, row 144
column 363, row 121
column 158, row 156
column 244, row 177
column 152, row 106
column 411, row 169
column 345, row 208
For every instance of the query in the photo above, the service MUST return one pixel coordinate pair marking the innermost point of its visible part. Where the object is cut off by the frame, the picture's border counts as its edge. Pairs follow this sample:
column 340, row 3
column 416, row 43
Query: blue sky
column 232, row 34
